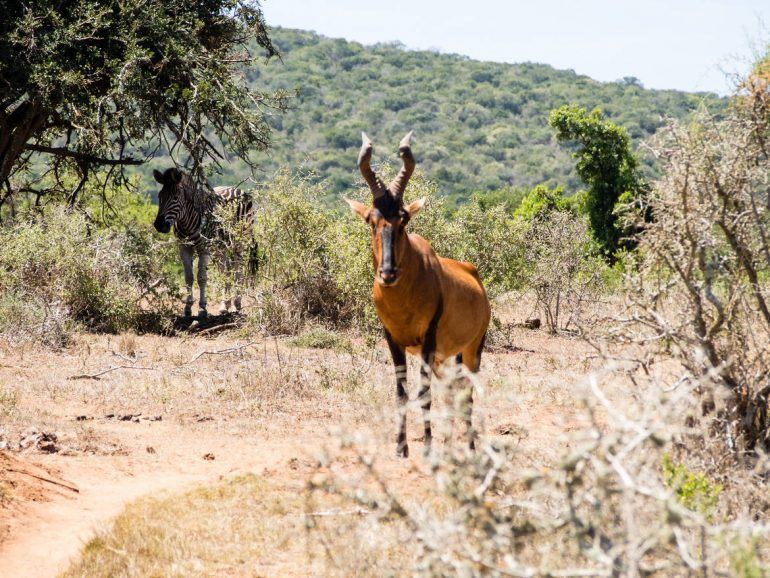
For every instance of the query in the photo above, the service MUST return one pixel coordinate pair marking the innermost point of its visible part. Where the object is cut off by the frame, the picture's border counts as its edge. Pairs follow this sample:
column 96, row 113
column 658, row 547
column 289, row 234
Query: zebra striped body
column 197, row 216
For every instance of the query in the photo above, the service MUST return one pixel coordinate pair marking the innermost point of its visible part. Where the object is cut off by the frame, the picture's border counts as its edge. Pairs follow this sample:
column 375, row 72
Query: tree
column 606, row 165
column 87, row 84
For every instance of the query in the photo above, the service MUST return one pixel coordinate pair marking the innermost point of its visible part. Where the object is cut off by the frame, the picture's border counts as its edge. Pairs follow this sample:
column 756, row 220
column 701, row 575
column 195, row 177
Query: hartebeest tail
column 428, row 305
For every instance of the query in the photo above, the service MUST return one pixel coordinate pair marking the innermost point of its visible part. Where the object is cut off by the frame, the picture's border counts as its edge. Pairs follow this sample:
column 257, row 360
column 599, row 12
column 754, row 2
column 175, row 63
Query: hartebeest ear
column 415, row 207
column 158, row 176
column 359, row 209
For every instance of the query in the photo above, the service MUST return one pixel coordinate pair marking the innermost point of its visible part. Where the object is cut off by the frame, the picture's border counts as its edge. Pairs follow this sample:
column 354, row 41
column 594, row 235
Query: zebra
column 193, row 212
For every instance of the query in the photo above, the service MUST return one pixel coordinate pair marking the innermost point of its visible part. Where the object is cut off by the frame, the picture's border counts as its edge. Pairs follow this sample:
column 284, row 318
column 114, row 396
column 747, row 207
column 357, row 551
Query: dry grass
column 296, row 404
column 244, row 526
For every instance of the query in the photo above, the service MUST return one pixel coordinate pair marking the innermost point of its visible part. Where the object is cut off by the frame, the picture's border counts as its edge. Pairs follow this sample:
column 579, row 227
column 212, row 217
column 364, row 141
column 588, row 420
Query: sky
column 682, row 44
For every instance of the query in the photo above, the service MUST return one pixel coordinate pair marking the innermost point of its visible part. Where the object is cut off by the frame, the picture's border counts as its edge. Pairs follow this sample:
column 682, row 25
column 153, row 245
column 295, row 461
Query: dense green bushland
column 102, row 268
column 317, row 263
column 478, row 125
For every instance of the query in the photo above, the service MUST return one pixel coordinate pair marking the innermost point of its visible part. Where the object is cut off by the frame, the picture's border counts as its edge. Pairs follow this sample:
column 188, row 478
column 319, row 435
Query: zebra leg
column 399, row 363
column 186, row 253
column 226, row 268
column 203, row 265
column 238, row 282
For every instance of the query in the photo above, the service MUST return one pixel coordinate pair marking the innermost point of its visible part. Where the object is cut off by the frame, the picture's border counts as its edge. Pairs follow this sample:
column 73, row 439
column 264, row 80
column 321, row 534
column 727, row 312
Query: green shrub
column 295, row 229
column 59, row 271
column 321, row 338
column 693, row 490
column 494, row 242
column 540, row 201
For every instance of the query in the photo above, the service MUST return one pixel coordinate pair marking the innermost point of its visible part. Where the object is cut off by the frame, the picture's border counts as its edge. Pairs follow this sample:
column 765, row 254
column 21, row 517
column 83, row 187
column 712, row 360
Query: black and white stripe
column 192, row 211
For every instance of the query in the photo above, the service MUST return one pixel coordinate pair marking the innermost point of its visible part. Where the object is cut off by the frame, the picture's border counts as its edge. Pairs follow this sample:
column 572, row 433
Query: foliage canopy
column 605, row 163
column 85, row 83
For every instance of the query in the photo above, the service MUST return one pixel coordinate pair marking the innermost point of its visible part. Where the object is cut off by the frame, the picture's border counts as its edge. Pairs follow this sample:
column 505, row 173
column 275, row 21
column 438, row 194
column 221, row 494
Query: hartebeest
column 428, row 305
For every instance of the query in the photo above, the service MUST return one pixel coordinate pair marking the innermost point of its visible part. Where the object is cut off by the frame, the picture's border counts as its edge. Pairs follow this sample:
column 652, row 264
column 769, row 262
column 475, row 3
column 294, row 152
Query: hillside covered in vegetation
column 478, row 125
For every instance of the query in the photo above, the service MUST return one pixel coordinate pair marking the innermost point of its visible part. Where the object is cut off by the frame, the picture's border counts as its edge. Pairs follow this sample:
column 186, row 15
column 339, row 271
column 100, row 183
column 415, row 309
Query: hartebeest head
column 388, row 217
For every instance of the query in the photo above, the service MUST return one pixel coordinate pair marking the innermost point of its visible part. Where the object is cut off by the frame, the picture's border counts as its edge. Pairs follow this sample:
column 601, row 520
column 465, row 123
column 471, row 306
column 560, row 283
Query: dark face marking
column 387, row 243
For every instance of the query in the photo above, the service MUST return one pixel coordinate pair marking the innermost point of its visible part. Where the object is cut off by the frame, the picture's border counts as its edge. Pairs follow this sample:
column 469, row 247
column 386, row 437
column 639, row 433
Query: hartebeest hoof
column 402, row 451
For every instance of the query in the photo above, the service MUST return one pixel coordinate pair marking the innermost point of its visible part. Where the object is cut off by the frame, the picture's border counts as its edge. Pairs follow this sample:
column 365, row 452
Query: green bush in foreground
column 693, row 490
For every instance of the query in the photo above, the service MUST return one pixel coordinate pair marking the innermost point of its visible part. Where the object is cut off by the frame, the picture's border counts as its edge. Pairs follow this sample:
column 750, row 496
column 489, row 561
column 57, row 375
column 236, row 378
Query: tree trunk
column 16, row 129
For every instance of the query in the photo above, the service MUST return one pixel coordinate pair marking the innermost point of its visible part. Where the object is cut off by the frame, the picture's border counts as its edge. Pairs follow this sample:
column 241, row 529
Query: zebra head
column 169, row 199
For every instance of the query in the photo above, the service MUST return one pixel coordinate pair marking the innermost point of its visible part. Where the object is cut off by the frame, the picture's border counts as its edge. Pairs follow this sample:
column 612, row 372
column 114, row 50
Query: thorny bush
column 699, row 288
column 609, row 506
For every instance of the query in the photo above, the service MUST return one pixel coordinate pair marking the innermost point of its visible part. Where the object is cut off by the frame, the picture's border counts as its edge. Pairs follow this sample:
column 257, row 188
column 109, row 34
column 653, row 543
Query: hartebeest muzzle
column 387, row 272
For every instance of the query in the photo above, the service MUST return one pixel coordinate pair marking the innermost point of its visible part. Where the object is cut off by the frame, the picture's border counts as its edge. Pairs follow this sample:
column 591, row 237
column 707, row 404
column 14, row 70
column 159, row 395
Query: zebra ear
column 158, row 176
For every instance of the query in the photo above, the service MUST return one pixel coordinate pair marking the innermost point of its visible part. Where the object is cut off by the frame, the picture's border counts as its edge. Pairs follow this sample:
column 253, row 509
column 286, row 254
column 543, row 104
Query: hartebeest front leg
column 425, row 400
column 428, row 358
column 398, row 354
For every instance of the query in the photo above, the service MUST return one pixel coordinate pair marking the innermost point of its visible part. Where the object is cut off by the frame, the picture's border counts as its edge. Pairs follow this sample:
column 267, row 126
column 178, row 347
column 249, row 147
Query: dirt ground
column 86, row 430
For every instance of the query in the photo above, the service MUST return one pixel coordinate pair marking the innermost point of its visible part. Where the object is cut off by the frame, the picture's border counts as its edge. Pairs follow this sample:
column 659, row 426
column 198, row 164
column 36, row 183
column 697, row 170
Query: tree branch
column 65, row 152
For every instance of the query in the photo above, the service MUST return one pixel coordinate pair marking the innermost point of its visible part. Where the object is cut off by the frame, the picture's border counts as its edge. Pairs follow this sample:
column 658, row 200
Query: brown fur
column 421, row 287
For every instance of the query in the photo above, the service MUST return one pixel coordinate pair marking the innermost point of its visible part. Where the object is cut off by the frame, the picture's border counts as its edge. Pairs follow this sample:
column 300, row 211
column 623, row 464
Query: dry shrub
column 699, row 290
column 619, row 502
column 564, row 268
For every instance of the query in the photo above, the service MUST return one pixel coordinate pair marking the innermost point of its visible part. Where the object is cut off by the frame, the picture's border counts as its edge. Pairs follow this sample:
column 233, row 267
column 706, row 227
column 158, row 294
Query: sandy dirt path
column 44, row 540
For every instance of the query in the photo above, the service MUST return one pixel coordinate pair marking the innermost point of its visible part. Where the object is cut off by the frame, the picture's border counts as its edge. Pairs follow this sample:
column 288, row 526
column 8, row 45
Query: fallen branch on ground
column 235, row 349
column 44, row 479
column 108, row 370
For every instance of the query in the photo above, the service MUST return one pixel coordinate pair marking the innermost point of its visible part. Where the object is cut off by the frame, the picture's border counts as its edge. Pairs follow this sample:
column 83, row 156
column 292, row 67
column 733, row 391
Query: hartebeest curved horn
column 364, row 165
column 402, row 178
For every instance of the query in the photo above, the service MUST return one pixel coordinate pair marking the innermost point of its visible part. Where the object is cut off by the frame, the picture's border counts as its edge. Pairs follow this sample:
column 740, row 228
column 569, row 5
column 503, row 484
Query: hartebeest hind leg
column 398, row 354
column 471, row 359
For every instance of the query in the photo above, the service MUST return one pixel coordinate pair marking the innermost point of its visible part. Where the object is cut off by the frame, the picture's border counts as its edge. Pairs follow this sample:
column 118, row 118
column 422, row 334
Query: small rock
column 42, row 441
column 150, row 449
column 48, row 447
column 512, row 429
column 209, row 456
column 531, row 323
